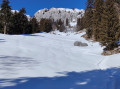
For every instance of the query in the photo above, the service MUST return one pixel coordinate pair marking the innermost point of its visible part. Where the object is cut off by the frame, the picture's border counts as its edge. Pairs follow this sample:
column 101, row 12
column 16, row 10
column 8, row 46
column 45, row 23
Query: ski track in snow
column 102, row 63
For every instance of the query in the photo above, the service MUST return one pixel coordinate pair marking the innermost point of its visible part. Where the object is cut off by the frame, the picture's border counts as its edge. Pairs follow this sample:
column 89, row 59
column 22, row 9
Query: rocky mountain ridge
column 60, row 13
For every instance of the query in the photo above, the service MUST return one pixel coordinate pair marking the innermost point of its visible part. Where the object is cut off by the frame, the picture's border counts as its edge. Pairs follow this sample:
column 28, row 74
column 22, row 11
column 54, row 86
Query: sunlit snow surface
column 43, row 57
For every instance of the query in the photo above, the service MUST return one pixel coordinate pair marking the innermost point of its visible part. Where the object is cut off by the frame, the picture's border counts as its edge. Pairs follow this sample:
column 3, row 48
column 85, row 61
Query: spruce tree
column 80, row 23
column 89, row 17
column 98, row 10
column 14, row 26
column 60, row 25
column 6, row 14
column 34, row 25
column 45, row 25
column 23, row 22
column 19, row 23
column 1, row 25
column 42, row 25
column 110, row 25
column 48, row 25
column 67, row 22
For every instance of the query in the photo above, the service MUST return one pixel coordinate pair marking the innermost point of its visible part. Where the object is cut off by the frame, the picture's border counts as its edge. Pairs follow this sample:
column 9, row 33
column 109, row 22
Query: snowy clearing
column 50, row 55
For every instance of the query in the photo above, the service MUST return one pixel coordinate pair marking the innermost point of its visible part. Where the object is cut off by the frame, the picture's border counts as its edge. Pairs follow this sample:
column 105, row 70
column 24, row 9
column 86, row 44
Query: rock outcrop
column 59, row 13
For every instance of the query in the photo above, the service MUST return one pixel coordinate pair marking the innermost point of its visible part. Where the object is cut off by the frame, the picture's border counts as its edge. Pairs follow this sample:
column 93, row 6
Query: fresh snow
column 50, row 55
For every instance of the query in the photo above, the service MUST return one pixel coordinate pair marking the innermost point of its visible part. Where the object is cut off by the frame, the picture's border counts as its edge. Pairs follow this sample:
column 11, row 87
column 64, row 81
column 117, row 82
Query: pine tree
column 45, row 25
column 60, row 25
column 34, row 25
column 98, row 10
column 19, row 23
column 89, row 18
column 67, row 22
column 14, row 26
column 80, row 23
column 6, row 14
column 48, row 25
column 110, row 25
column 1, row 25
column 42, row 23
column 23, row 22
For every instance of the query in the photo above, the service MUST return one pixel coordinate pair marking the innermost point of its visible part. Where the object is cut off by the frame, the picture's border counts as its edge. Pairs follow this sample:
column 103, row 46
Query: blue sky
column 34, row 5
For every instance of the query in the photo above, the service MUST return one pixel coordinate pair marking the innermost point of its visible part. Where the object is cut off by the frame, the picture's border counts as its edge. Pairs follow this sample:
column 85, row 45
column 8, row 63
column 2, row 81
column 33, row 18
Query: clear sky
column 33, row 6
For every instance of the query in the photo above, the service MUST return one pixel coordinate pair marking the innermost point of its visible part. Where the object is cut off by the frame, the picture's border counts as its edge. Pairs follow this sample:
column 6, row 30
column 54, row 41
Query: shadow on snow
column 32, row 34
column 2, row 40
column 96, row 79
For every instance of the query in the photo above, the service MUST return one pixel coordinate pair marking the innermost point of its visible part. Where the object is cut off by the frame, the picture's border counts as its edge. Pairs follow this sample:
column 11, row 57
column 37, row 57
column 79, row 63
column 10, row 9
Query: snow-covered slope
column 49, row 55
column 59, row 13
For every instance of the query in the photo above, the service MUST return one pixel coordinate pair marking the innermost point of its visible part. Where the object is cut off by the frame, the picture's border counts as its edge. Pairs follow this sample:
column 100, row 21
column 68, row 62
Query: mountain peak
column 59, row 13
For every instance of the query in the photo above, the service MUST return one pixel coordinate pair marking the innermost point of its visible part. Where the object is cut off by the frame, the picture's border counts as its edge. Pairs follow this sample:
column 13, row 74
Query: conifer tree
column 45, row 25
column 67, row 22
column 1, row 25
column 42, row 23
column 60, row 25
column 98, row 8
column 6, row 14
column 14, row 26
column 80, row 23
column 34, row 25
column 23, row 22
column 110, row 25
column 19, row 23
column 89, row 17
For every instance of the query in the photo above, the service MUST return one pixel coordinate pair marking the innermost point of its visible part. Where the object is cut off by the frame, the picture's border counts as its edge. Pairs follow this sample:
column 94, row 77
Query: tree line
column 18, row 23
column 101, row 21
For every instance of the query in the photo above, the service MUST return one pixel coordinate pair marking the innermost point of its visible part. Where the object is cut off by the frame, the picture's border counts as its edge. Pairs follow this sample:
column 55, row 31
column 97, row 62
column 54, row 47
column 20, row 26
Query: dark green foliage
column 14, row 26
column 60, row 25
column 23, row 22
column 110, row 24
column 1, row 25
column 98, row 10
column 19, row 23
column 34, row 25
column 16, row 23
column 67, row 22
column 62, row 28
column 45, row 25
column 89, row 18
column 6, row 15
column 80, row 23
column 102, row 22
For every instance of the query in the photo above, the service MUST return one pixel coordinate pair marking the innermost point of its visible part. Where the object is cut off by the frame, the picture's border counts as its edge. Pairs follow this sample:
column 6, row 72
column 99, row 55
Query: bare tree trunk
column 5, row 28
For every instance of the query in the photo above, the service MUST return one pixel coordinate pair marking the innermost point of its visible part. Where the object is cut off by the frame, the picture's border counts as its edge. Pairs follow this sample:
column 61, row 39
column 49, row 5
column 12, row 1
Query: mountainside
column 60, row 13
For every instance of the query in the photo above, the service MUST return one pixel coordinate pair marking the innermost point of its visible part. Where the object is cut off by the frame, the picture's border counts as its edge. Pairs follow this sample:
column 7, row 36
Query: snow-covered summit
column 63, row 9
column 59, row 13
